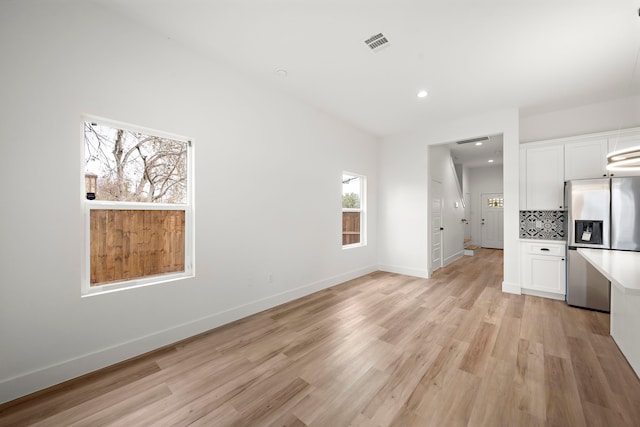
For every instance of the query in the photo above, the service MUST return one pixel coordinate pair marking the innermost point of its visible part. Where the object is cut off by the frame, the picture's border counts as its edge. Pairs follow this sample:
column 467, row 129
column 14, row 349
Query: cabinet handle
column 545, row 249
column 562, row 259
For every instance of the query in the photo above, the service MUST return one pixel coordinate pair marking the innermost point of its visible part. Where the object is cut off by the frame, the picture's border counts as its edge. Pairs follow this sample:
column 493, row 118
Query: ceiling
column 470, row 56
column 477, row 154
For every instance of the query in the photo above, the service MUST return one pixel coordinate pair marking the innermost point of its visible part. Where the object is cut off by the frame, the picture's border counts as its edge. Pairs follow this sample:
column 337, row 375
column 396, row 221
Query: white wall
column 268, row 191
column 592, row 118
column 403, row 193
column 482, row 180
column 441, row 170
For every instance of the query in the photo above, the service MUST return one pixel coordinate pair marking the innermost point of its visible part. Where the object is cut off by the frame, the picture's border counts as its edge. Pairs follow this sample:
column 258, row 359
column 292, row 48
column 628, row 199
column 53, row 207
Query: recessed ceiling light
column 422, row 94
column 281, row 72
column 478, row 143
column 490, row 160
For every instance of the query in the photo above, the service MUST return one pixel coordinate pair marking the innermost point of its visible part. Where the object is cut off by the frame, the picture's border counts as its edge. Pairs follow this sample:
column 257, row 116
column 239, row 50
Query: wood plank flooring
column 380, row 350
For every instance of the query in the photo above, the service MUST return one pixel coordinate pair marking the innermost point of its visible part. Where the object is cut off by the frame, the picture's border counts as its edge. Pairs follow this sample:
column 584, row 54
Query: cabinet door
column 545, row 178
column 547, row 273
column 585, row 159
column 621, row 143
column 523, row 179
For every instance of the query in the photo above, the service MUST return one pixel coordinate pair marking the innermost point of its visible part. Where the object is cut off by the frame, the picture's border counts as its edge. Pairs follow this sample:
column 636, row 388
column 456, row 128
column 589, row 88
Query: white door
column 436, row 225
column 467, row 217
column 492, row 221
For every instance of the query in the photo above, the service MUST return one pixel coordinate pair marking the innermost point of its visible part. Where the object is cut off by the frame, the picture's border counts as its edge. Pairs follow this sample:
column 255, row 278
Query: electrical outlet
column 270, row 278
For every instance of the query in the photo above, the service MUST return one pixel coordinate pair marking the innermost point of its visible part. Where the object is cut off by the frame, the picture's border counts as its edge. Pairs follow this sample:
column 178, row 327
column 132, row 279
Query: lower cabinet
column 625, row 323
column 543, row 269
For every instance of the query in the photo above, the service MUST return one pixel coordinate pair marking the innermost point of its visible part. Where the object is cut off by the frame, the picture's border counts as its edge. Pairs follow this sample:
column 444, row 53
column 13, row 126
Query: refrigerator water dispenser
column 589, row 232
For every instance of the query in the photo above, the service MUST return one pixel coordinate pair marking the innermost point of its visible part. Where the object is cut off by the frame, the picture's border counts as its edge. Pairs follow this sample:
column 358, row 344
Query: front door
column 492, row 222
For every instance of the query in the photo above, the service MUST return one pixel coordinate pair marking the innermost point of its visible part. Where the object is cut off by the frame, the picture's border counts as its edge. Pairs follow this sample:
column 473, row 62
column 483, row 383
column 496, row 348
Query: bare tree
column 132, row 166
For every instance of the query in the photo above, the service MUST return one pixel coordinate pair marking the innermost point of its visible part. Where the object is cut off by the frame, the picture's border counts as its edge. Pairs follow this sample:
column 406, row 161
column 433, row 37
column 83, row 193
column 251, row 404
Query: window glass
column 351, row 191
column 134, row 166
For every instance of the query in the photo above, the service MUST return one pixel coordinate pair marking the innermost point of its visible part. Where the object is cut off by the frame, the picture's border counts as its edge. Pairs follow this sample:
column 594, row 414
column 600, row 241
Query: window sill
column 353, row 246
column 134, row 284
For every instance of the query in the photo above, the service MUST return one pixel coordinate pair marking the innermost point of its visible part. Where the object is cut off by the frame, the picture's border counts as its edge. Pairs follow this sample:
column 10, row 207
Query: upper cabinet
column 543, row 174
column 585, row 159
column 545, row 165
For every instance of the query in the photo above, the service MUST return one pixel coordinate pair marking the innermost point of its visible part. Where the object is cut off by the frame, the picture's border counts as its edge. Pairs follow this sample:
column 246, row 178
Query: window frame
column 362, row 210
column 89, row 205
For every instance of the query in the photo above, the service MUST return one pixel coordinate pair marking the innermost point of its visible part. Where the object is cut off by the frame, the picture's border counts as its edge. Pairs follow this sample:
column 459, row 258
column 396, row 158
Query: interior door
column 467, row 217
column 492, row 222
column 436, row 225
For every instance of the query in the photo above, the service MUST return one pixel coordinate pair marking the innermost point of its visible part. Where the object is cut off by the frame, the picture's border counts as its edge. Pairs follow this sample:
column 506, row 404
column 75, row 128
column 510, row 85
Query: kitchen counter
column 622, row 268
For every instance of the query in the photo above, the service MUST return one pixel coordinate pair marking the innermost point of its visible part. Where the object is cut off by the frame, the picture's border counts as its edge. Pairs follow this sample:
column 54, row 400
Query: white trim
column 39, row 379
column 354, row 245
column 135, row 283
column 133, row 128
column 448, row 260
column 407, row 271
column 511, row 288
column 139, row 206
column 543, row 294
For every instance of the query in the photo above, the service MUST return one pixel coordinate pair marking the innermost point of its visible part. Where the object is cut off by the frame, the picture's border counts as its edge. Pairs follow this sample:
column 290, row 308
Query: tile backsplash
column 543, row 225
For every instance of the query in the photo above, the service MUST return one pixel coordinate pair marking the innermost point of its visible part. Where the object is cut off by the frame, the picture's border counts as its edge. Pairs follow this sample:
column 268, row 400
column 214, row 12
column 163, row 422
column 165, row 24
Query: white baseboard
column 536, row 293
column 407, row 271
column 448, row 260
column 511, row 288
column 22, row 385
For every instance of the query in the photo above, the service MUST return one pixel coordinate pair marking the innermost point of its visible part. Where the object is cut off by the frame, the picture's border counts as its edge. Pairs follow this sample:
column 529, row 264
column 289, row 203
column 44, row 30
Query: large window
column 137, row 199
column 353, row 210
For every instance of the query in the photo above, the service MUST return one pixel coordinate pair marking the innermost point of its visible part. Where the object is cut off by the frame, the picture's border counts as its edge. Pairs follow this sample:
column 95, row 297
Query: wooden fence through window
column 350, row 228
column 130, row 244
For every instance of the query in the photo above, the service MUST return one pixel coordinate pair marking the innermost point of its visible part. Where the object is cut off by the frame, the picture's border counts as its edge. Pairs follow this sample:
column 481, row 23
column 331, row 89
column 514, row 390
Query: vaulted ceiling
column 470, row 56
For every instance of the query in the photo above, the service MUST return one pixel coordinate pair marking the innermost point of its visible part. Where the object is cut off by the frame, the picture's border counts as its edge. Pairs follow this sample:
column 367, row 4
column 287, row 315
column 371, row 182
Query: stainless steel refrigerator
column 602, row 214
column 625, row 213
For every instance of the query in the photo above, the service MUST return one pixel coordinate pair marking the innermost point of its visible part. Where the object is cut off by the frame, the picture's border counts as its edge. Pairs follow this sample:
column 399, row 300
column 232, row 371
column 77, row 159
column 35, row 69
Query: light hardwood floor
column 381, row 350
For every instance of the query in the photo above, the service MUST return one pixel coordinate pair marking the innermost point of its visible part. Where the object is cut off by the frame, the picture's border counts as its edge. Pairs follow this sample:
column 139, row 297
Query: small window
column 137, row 206
column 495, row 202
column 353, row 209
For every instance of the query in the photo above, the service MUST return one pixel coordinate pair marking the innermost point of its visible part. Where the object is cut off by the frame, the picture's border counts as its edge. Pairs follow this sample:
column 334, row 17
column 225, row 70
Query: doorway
column 459, row 172
column 492, row 220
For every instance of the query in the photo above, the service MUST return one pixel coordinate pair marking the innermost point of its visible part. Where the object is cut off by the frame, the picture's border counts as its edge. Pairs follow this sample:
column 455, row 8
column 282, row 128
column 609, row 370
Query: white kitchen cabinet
column 621, row 142
column 543, row 177
column 544, row 268
column 545, row 165
column 585, row 159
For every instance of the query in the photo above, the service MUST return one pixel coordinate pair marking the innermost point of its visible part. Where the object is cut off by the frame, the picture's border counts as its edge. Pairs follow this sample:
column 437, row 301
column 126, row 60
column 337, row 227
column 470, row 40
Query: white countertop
column 622, row 268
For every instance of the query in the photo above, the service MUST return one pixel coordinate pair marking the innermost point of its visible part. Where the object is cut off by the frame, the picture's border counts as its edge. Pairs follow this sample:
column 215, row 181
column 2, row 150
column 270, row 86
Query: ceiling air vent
column 377, row 42
column 468, row 141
